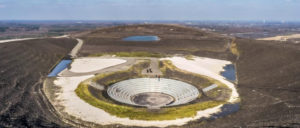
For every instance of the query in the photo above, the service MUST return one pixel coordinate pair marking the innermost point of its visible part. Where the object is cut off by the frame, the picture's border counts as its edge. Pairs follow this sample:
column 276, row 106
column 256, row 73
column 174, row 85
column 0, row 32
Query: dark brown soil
column 174, row 40
column 269, row 86
column 23, row 65
column 269, row 83
column 268, row 74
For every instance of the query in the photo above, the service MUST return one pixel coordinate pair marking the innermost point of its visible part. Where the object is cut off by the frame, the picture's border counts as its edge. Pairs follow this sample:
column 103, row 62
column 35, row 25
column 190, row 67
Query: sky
column 233, row 10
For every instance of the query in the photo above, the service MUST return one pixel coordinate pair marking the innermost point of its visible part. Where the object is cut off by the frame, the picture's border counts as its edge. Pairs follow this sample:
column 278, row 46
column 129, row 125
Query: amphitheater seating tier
column 181, row 92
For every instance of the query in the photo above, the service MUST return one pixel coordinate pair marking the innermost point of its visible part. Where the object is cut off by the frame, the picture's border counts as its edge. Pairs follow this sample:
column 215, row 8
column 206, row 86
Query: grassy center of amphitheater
column 100, row 99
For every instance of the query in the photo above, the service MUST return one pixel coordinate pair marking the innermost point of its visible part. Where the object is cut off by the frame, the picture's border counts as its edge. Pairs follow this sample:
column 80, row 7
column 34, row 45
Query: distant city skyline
column 231, row 10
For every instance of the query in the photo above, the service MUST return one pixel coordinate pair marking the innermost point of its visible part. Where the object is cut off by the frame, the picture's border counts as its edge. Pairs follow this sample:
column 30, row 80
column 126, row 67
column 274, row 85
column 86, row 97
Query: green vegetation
column 114, row 77
column 213, row 93
column 189, row 57
column 169, row 113
column 199, row 81
column 167, row 64
column 219, row 93
column 133, row 72
column 143, row 113
column 168, row 69
column 130, row 54
column 97, row 54
column 186, row 49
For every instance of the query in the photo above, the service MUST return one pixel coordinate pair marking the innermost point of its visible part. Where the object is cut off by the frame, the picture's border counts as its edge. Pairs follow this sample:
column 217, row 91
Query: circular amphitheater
column 153, row 92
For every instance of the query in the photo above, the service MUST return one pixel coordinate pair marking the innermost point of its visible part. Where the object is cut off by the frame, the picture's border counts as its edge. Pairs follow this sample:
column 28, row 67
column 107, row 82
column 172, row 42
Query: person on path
column 158, row 77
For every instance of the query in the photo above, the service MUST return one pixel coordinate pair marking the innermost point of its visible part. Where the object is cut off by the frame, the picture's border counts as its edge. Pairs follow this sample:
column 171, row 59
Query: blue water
column 229, row 72
column 226, row 109
column 141, row 38
column 61, row 66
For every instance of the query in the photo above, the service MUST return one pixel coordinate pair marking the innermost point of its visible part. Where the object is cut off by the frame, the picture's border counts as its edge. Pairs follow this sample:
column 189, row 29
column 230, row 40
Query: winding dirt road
column 76, row 49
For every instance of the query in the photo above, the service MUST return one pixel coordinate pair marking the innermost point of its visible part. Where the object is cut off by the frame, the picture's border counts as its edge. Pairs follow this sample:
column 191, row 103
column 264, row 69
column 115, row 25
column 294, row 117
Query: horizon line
column 78, row 20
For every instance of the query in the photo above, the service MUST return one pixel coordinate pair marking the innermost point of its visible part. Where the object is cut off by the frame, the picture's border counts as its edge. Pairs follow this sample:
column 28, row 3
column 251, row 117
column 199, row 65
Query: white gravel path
column 281, row 38
column 21, row 39
column 207, row 67
column 76, row 107
column 13, row 40
column 89, row 64
column 76, row 49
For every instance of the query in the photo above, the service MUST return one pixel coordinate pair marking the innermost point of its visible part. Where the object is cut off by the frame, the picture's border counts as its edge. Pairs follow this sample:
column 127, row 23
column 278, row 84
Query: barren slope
column 269, row 86
column 268, row 73
column 23, row 65
column 174, row 40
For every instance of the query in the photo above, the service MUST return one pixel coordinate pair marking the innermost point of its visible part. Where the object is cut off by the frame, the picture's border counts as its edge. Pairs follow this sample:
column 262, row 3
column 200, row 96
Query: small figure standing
column 158, row 77
column 147, row 70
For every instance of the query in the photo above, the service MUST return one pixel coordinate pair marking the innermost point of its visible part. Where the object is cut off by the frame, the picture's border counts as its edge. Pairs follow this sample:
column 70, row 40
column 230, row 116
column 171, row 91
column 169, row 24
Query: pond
column 229, row 72
column 59, row 67
column 141, row 38
column 226, row 109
